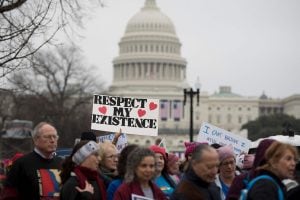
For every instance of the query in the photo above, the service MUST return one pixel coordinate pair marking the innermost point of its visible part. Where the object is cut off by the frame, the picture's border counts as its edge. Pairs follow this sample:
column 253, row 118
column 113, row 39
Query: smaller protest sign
column 163, row 144
column 122, row 141
column 138, row 197
column 212, row 134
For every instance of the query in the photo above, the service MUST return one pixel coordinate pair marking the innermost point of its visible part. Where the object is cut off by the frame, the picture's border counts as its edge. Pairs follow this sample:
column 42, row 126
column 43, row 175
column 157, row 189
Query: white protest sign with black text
column 133, row 115
column 212, row 134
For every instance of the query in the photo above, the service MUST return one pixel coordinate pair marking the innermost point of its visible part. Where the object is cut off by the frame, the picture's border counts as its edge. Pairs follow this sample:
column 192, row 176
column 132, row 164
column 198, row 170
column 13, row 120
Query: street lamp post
column 191, row 94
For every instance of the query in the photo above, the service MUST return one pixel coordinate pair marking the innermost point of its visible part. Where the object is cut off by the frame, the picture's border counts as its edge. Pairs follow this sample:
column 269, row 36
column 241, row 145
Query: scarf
column 83, row 174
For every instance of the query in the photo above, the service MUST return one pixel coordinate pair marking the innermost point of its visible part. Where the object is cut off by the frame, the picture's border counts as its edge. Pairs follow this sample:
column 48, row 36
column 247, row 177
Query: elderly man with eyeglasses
column 36, row 175
column 198, row 181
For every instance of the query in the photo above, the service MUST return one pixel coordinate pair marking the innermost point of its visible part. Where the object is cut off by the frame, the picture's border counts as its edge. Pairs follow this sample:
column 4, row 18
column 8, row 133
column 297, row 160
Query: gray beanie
column 86, row 150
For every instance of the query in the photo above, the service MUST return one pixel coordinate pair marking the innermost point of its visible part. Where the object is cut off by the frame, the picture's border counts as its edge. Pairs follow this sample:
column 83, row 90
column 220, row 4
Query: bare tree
column 57, row 87
column 6, row 98
column 26, row 26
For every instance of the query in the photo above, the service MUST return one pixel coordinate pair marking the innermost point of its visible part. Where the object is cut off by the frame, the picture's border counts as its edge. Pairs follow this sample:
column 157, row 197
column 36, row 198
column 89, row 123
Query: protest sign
column 163, row 144
column 122, row 140
column 138, row 197
column 212, row 134
column 133, row 115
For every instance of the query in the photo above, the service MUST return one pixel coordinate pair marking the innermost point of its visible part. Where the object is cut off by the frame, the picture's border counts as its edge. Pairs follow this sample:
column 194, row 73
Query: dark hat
column 88, row 135
column 259, row 159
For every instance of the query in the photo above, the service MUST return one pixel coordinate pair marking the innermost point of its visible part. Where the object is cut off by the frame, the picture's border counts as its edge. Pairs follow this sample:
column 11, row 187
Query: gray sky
column 250, row 45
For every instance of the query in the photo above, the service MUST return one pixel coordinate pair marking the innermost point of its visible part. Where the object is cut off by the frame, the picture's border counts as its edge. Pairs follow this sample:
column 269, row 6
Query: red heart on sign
column 141, row 112
column 152, row 106
column 102, row 109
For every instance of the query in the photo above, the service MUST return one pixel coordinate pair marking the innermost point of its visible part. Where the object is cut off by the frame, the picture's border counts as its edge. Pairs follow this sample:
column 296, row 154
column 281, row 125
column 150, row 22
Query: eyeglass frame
column 232, row 162
column 113, row 156
column 49, row 137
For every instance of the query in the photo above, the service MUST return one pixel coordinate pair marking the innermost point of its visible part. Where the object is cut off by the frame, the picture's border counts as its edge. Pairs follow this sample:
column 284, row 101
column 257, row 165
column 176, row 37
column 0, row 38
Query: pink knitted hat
column 190, row 147
column 225, row 152
column 172, row 158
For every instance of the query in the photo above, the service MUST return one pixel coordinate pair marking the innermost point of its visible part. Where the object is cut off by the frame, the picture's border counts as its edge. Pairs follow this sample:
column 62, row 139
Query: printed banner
column 212, row 134
column 133, row 115
column 164, row 109
column 177, row 110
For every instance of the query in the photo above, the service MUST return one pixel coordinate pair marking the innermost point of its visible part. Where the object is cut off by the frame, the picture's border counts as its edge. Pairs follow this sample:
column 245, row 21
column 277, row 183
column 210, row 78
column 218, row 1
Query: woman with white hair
column 109, row 157
column 227, row 170
column 140, row 170
column 80, row 175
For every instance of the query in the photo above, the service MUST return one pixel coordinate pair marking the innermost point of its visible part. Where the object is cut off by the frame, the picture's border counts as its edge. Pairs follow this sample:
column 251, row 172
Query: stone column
column 143, row 70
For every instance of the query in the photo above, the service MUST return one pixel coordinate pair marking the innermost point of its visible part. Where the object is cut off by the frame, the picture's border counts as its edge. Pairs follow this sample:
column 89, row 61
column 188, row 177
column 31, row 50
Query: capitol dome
column 149, row 61
column 150, row 19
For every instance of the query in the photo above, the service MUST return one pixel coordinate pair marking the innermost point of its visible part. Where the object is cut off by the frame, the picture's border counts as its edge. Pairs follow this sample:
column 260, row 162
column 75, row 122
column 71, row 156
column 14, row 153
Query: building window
column 148, row 142
column 218, row 119
column 249, row 118
column 229, row 117
column 209, row 119
column 240, row 119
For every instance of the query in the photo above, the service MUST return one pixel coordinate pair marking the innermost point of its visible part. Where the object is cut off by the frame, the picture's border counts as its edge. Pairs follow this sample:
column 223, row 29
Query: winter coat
column 125, row 191
column 266, row 189
column 192, row 187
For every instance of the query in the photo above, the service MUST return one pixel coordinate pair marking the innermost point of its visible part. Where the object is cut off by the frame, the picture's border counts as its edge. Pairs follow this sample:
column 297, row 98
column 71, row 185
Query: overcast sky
column 250, row 45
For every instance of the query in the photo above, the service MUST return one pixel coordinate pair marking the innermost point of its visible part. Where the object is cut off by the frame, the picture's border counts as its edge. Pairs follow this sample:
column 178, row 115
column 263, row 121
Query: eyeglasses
column 227, row 163
column 49, row 137
column 112, row 156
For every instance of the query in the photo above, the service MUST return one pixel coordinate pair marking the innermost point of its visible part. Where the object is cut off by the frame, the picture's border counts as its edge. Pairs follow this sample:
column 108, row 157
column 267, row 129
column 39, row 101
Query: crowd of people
column 98, row 171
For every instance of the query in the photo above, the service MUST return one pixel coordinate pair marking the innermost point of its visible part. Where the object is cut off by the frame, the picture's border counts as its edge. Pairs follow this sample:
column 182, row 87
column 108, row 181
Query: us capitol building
column 150, row 65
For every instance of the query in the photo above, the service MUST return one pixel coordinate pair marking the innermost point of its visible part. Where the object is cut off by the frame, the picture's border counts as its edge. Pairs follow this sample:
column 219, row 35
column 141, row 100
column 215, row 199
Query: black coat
column 69, row 191
column 265, row 189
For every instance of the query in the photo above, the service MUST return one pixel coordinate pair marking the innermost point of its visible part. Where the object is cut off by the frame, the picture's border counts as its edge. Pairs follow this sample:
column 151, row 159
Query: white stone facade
column 150, row 65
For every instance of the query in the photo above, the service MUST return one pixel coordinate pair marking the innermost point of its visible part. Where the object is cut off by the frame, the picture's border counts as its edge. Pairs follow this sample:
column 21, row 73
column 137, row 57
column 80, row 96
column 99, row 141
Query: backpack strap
column 246, row 180
column 279, row 190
